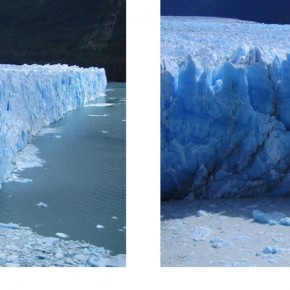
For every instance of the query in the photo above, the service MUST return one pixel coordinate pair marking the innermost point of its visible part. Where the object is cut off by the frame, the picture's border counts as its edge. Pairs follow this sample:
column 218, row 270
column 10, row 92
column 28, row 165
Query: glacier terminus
column 31, row 98
column 34, row 96
column 225, row 108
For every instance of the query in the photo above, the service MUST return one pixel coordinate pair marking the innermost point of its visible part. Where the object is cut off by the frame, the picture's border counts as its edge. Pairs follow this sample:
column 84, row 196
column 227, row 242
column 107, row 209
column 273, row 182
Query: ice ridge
column 225, row 121
column 34, row 96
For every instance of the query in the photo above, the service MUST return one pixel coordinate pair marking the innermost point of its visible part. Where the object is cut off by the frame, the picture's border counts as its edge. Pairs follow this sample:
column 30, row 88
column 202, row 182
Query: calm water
column 83, row 180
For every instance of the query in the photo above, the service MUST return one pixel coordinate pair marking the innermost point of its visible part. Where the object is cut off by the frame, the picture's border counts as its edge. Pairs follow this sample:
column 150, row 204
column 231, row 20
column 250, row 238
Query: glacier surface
column 34, row 96
column 225, row 108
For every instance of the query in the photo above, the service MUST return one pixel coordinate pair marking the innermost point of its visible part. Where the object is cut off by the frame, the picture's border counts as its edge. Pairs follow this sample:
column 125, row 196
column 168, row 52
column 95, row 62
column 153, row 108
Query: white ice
column 34, row 96
column 99, row 105
column 100, row 227
column 62, row 235
column 225, row 122
column 41, row 204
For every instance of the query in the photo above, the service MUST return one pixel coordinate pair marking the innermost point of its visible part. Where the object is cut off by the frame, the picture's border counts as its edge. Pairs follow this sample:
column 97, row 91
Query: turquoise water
column 83, row 180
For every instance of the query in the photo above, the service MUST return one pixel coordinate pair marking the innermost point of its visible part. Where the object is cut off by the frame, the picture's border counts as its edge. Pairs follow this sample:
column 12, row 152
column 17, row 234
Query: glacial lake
column 82, row 179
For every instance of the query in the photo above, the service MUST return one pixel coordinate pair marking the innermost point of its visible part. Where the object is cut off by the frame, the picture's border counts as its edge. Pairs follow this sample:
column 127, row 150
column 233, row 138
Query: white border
column 143, row 175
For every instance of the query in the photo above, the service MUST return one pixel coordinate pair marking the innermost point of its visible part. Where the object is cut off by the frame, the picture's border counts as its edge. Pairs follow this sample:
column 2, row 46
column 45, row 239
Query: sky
column 264, row 11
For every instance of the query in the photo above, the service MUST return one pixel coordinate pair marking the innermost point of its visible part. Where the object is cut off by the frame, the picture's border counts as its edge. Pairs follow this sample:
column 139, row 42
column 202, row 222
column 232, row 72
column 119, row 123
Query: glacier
column 225, row 108
column 34, row 96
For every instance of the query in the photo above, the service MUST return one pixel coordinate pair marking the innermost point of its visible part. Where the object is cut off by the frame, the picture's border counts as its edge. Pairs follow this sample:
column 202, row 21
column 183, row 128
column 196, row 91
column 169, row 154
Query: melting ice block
column 33, row 96
column 225, row 103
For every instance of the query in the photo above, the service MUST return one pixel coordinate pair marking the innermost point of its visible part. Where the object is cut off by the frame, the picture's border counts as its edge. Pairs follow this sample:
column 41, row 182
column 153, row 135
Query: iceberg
column 34, row 96
column 225, row 108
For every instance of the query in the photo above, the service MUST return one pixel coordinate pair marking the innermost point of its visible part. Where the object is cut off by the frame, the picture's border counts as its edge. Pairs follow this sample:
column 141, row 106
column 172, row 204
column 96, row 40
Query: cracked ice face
column 33, row 96
column 225, row 121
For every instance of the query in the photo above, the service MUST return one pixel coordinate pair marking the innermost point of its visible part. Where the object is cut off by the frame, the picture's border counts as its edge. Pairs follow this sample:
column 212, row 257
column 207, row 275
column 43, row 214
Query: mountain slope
column 81, row 32
column 267, row 11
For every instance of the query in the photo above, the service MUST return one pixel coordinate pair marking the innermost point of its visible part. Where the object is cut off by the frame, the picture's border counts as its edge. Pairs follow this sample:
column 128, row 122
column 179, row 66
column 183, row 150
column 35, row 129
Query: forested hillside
column 82, row 32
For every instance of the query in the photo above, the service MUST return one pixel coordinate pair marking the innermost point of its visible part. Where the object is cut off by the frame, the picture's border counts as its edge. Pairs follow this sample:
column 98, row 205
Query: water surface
column 82, row 181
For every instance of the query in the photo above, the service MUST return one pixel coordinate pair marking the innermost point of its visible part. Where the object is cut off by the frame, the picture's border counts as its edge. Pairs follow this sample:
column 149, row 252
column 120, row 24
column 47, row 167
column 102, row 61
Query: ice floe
column 100, row 227
column 62, row 235
column 201, row 233
column 41, row 204
column 19, row 246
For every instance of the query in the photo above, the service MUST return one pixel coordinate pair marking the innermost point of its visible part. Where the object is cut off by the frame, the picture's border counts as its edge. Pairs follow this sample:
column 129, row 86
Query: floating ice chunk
column 49, row 130
column 271, row 250
column 104, row 115
column 285, row 221
column 201, row 233
column 27, row 158
column 57, row 136
column 124, row 228
column 41, row 204
column 9, row 226
column 115, row 218
column 99, row 105
column 201, row 213
column 16, row 178
column 105, row 132
column 219, row 243
column 62, row 235
column 270, row 218
column 123, row 120
column 100, row 227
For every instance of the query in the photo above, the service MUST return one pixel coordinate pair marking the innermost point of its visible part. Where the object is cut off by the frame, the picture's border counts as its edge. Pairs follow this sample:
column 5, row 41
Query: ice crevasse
column 34, row 96
column 225, row 108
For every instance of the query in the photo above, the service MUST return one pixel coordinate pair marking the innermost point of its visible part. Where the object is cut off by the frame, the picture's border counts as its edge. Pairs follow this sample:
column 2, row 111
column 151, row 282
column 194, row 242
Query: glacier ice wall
column 225, row 109
column 34, row 96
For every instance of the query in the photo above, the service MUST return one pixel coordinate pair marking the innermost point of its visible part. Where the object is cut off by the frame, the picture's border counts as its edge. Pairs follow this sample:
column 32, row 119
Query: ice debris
column 19, row 246
column 41, row 204
column 9, row 226
column 201, row 213
column 100, row 227
column 201, row 233
column 272, row 218
column 285, row 221
column 62, row 235
column 219, row 243
column 271, row 250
